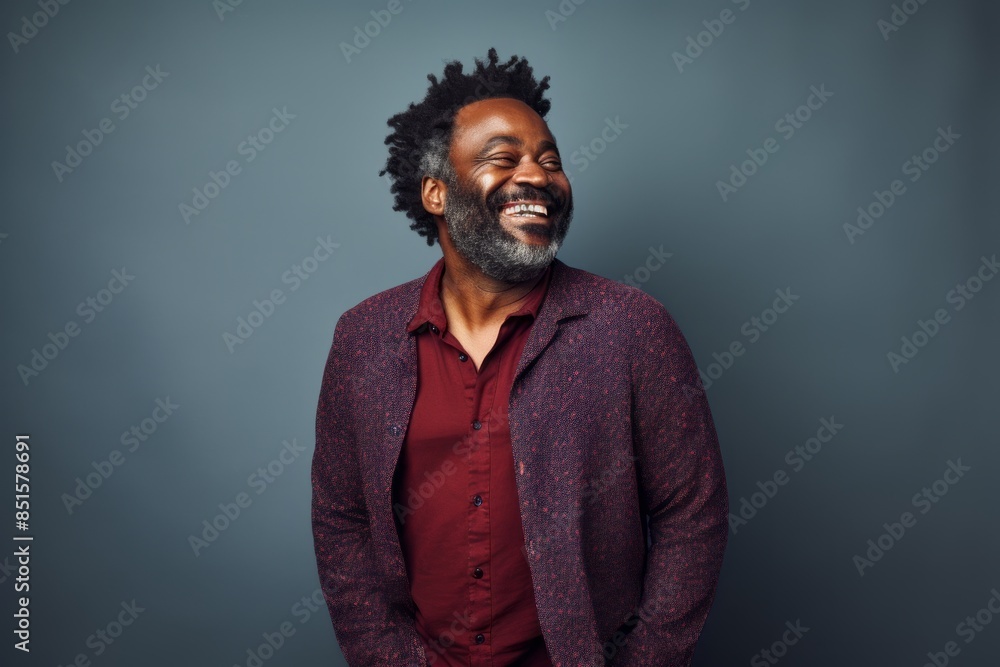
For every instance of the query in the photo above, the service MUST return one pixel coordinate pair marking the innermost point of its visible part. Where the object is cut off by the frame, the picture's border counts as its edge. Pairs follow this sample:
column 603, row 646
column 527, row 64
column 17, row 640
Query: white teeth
column 520, row 209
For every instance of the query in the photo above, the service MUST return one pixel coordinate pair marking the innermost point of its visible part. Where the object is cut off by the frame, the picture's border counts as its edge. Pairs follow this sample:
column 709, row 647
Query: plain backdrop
column 691, row 90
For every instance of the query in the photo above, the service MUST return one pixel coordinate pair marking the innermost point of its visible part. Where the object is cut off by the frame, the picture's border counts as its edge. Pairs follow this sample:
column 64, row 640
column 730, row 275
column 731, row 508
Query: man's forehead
column 484, row 119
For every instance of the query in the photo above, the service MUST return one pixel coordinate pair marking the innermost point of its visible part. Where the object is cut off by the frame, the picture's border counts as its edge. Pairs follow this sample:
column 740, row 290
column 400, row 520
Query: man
column 514, row 464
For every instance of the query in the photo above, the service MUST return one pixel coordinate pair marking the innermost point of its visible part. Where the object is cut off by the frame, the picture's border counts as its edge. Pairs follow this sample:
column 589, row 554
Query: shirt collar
column 430, row 310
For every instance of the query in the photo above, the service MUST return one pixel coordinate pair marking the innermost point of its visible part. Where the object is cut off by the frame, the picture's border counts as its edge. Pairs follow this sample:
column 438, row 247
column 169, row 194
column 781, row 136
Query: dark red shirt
column 455, row 498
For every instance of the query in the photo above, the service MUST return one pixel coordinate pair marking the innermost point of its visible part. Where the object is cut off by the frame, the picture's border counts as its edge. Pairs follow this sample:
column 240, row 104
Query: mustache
column 499, row 198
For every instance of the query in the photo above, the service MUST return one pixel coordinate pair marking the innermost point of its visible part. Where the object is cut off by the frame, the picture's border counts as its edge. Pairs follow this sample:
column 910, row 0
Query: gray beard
column 479, row 237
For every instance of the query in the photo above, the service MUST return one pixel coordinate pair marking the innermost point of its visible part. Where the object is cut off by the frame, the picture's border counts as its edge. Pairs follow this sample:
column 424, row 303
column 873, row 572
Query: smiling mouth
column 528, row 211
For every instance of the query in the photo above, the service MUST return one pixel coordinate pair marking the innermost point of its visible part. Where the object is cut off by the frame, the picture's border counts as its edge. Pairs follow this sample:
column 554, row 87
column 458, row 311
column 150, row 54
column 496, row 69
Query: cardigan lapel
column 561, row 302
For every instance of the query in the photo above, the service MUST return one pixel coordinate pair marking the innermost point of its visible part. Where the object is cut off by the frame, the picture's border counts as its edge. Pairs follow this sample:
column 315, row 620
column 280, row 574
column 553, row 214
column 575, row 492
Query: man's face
column 504, row 159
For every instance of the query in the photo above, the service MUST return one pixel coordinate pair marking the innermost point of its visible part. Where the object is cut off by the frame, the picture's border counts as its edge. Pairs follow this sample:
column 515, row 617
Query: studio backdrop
column 191, row 200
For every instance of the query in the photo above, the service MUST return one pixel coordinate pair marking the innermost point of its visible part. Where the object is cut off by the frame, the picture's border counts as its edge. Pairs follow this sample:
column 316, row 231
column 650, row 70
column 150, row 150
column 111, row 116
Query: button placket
column 479, row 516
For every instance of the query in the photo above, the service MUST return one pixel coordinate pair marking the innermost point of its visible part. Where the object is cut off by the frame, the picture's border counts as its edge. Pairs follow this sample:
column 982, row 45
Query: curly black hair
column 421, row 138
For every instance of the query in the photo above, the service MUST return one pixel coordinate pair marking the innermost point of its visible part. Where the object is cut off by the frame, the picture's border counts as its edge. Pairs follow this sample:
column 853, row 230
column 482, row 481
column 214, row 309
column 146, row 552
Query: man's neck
column 474, row 301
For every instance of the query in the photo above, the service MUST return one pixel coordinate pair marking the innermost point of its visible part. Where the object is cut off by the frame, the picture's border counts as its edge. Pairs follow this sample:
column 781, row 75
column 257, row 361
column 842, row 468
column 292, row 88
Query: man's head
column 476, row 145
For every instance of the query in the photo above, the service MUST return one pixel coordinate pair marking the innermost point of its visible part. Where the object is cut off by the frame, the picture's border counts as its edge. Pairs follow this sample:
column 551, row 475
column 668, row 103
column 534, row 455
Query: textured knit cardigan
column 619, row 477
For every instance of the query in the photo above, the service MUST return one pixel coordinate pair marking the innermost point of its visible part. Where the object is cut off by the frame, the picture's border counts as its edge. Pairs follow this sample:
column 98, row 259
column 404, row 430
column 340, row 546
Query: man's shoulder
column 385, row 310
column 611, row 297
column 626, row 316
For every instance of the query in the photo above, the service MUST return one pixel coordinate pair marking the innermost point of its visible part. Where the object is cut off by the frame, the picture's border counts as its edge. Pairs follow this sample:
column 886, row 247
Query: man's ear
column 432, row 193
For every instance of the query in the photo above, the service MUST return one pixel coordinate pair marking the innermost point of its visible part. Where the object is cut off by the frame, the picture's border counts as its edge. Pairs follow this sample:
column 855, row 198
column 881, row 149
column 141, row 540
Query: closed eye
column 501, row 158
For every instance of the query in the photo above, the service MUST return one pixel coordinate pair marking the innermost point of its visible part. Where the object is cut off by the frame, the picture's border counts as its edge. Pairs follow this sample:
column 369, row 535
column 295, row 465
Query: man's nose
column 532, row 173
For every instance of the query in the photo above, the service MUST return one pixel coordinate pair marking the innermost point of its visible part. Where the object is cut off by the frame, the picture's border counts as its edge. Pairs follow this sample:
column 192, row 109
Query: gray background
column 654, row 185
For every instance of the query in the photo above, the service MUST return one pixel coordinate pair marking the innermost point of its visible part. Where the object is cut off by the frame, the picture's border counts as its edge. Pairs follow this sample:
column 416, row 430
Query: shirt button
column 463, row 357
column 478, row 500
column 476, row 425
column 477, row 573
column 434, row 328
column 480, row 638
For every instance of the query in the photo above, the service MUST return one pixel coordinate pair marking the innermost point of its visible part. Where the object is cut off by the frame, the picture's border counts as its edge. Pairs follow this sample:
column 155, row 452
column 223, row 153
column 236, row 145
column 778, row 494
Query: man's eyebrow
column 549, row 145
column 493, row 142
column 496, row 141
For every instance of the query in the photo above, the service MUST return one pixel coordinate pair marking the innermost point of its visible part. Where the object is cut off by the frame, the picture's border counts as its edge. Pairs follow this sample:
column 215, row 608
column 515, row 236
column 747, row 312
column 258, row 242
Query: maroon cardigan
column 608, row 429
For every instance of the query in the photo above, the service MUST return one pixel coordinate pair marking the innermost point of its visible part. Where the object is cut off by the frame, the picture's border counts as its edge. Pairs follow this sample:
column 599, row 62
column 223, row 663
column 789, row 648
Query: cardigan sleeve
column 369, row 630
column 682, row 490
